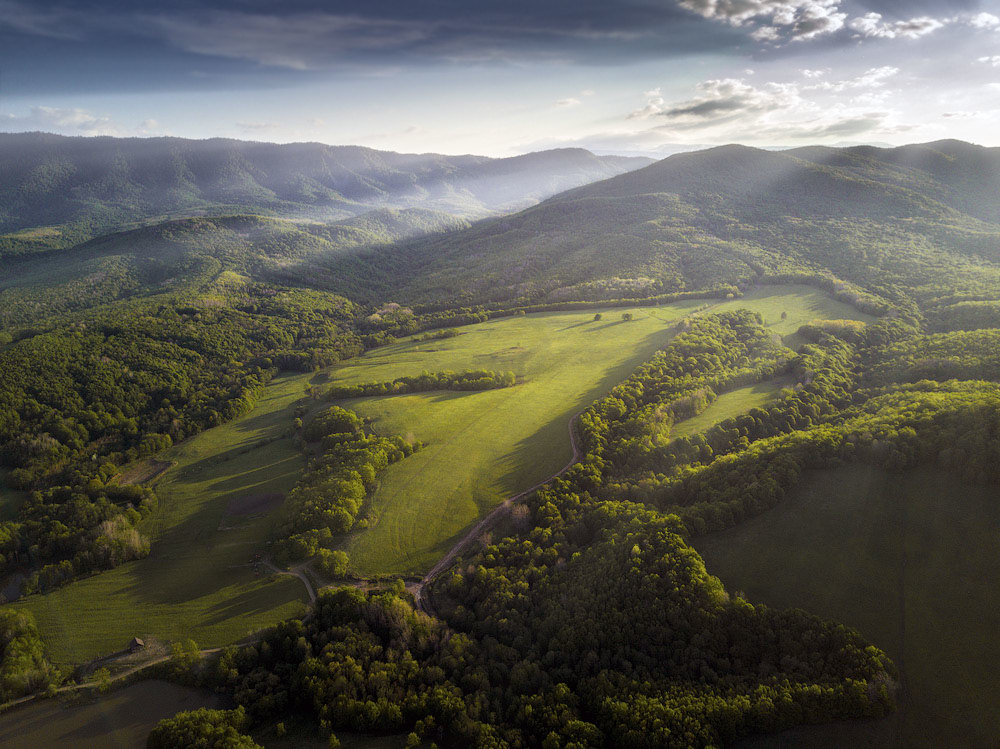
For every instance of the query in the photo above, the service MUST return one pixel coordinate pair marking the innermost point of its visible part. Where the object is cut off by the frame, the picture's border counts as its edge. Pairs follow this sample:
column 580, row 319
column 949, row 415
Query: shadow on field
column 249, row 602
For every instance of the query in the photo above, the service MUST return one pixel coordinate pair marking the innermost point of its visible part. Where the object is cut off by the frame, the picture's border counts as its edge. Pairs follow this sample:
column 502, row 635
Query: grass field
column 908, row 560
column 121, row 719
column 802, row 304
column 481, row 447
column 728, row 405
column 197, row 581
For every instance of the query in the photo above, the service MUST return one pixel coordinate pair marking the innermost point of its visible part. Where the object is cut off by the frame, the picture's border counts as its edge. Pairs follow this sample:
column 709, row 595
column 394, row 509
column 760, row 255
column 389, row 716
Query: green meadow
column 197, row 581
column 730, row 404
column 799, row 303
column 908, row 560
column 481, row 447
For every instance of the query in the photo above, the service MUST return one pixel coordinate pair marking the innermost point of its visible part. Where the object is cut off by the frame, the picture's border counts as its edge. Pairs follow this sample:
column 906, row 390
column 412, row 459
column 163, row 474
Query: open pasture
column 908, row 560
column 121, row 719
column 728, row 405
column 198, row 581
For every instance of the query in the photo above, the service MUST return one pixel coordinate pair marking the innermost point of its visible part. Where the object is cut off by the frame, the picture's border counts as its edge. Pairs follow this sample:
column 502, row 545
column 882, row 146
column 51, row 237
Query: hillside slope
column 56, row 191
column 910, row 224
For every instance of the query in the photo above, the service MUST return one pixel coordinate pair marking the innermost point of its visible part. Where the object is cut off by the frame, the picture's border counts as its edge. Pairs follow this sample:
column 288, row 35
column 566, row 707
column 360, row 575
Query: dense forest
column 473, row 379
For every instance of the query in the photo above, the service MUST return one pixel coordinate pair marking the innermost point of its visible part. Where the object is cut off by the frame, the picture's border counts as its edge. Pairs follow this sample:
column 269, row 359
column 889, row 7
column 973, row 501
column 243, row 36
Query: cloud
column 568, row 102
column 721, row 99
column 984, row 21
column 61, row 120
column 290, row 41
column 872, row 25
column 870, row 79
column 993, row 60
column 726, row 110
column 54, row 23
column 795, row 19
column 149, row 127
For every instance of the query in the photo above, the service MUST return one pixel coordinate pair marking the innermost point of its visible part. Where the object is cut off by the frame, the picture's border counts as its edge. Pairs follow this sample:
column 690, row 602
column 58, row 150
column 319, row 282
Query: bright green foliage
column 479, row 379
column 24, row 667
column 203, row 729
column 80, row 401
column 330, row 495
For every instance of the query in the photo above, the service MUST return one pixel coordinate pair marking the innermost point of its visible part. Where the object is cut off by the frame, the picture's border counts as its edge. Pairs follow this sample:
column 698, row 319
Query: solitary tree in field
column 597, row 317
column 627, row 316
column 784, row 315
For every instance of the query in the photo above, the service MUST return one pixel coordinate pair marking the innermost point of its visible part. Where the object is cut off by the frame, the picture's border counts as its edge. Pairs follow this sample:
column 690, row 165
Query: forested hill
column 907, row 225
column 57, row 190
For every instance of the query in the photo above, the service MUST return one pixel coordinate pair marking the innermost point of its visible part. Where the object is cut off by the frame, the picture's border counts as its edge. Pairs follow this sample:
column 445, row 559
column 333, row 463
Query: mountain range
column 56, row 191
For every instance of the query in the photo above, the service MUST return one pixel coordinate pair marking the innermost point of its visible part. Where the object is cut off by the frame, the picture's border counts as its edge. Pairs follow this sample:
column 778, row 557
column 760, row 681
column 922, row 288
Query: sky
column 501, row 77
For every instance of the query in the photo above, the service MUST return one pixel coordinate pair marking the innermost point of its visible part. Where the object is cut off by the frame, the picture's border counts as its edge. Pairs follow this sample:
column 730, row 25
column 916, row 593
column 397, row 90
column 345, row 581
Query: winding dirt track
column 486, row 523
column 295, row 572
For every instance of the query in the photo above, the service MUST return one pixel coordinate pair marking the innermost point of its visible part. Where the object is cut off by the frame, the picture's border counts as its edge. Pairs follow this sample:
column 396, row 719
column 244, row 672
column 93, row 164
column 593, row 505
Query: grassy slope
column 728, row 405
column 909, row 561
column 802, row 303
column 197, row 581
column 482, row 447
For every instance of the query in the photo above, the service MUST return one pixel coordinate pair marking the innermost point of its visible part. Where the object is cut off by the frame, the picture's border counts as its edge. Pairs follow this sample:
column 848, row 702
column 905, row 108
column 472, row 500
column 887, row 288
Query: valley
column 249, row 403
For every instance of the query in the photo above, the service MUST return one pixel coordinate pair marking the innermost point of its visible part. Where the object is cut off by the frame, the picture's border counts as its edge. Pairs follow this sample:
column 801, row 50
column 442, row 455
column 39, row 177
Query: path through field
column 488, row 522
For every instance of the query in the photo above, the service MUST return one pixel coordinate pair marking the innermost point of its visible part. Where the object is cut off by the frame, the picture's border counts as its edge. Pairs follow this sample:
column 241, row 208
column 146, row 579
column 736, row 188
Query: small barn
column 135, row 645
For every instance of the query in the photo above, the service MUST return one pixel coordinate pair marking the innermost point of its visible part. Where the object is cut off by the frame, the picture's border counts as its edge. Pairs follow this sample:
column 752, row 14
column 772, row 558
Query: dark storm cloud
column 76, row 45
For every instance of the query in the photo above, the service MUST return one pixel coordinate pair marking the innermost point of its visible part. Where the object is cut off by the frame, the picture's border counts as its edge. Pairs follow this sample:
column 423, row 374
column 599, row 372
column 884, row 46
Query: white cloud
column 871, row 78
column 872, row 25
column 62, row 120
column 985, row 21
column 795, row 19
column 808, row 73
column 993, row 60
column 723, row 99
column 568, row 102
column 149, row 127
column 734, row 110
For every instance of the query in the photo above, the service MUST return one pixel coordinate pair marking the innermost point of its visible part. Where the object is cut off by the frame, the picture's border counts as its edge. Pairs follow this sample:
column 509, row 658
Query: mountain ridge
column 56, row 191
